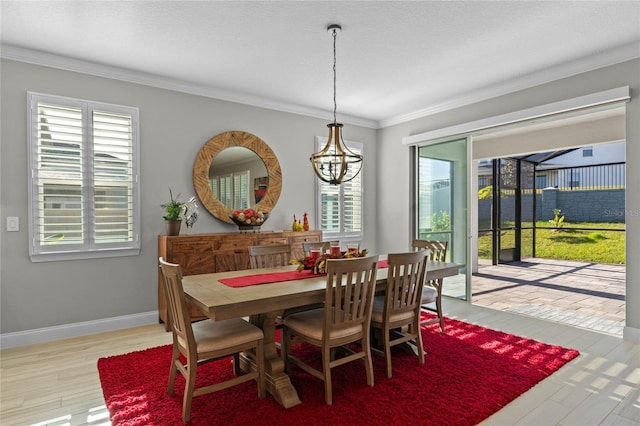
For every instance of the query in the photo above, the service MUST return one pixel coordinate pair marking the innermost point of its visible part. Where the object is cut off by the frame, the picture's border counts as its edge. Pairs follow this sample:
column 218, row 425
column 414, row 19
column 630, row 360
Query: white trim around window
column 84, row 190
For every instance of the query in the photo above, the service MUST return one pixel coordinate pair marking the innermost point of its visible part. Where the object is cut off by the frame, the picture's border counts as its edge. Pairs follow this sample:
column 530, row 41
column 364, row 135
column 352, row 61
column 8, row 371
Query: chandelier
column 335, row 163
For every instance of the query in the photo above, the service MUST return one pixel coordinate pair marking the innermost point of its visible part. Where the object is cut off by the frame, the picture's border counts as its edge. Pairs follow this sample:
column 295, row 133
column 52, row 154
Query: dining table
column 262, row 295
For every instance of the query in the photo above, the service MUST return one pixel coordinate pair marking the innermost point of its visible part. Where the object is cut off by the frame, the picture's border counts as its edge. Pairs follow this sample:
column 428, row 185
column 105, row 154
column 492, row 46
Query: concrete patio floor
column 586, row 295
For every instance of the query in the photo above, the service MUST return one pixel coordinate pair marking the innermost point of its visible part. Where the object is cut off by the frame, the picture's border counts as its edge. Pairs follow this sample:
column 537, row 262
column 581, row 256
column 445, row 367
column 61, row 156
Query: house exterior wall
column 602, row 154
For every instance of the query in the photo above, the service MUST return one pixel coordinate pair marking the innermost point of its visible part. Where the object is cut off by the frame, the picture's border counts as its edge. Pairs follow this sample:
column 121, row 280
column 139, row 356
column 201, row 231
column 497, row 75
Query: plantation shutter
column 330, row 211
column 83, row 183
column 59, row 172
column 113, row 177
column 352, row 202
column 213, row 183
column 224, row 186
column 241, row 190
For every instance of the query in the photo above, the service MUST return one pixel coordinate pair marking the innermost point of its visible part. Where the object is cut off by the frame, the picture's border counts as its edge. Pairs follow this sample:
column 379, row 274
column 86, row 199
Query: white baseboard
column 47, row 334
column 631, row 334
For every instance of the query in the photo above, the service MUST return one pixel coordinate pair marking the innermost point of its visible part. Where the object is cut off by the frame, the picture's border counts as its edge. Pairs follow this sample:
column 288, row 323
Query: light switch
column 13, row 223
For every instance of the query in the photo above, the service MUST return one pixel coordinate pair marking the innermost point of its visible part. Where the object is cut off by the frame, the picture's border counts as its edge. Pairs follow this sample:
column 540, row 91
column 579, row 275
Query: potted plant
column 172, row 218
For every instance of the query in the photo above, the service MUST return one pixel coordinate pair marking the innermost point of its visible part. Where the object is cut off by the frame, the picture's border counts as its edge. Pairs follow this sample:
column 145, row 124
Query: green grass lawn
column 567, row 243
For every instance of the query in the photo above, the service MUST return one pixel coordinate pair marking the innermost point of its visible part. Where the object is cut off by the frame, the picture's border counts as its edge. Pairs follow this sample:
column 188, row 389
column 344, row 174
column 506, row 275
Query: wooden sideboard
column 207, row 253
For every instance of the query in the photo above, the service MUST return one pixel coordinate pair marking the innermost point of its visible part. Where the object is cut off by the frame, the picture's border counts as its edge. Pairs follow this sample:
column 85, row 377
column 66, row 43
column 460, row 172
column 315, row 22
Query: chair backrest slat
column 270, row 256
column 177, row 305
column 405, row 280
column 437, row 249
column 349, row 293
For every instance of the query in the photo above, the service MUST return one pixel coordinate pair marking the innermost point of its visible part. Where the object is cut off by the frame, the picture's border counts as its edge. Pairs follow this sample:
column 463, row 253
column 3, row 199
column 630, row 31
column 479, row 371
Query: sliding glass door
column 441, row 203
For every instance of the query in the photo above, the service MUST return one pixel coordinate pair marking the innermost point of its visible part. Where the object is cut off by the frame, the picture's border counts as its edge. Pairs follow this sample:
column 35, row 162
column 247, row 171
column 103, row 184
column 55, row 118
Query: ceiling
column 396, row 60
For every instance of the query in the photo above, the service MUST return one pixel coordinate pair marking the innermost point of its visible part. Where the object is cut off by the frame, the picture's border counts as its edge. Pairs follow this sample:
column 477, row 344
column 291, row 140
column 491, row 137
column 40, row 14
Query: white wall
column 173, row 127
column 394, row 166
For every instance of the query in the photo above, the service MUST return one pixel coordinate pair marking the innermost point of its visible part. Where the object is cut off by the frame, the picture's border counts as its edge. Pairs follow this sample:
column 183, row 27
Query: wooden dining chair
column 396, row 314
column 205, row 341
column 270, row 256
column 432, row 292
column 344, row 319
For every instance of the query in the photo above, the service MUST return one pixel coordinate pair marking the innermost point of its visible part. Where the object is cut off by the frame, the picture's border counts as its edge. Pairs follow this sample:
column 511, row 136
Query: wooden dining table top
column 220, row 301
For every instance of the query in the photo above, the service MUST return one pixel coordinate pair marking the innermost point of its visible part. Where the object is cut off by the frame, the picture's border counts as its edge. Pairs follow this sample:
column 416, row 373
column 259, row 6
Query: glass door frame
column 460, row 245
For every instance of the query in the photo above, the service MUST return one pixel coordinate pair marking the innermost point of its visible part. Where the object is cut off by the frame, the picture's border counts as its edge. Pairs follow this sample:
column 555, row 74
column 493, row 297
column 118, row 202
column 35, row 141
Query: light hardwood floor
column 57, row 383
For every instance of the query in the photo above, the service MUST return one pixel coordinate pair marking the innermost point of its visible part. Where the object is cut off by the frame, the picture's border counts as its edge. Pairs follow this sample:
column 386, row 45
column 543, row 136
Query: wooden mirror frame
column 214, row 146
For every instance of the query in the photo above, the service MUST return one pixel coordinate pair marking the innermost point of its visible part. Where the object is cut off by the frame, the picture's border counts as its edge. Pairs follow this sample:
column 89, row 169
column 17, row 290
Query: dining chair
column 269, row 256
column 396, row 313
column 432, row 292
column 344, row 319
column 206, row 341
column 323, row 246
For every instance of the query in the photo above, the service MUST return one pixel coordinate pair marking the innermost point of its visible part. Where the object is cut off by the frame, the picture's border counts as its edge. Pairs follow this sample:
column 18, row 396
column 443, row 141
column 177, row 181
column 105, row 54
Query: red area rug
column 469, row 373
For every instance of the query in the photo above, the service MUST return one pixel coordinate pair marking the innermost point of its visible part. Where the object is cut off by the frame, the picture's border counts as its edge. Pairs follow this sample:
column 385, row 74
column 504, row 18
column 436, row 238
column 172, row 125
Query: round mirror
column 236, row 163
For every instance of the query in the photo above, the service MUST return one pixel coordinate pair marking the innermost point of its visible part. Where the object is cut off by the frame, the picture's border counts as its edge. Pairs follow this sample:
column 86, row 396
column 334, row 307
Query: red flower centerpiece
column 318, row 264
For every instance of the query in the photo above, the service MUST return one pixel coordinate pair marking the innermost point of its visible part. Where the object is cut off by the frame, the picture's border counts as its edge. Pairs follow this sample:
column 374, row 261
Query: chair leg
column 368, row 362
column 175, row 357
column 262, row 392
column 188, row 390
column 386, row 344
column 326, row 371
column 440, row 316
column 285, row 345
column 419, row 344
column 236, row 364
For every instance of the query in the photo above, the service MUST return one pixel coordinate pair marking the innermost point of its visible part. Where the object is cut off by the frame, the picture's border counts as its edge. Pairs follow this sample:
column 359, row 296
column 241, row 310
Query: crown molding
column 609, row 57
column 592, row 100
column 46, row 59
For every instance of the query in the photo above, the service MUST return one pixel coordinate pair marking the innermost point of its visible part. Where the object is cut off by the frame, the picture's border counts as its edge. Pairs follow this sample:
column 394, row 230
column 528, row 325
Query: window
column 587, row 151
column 574, row 178
column 232, row 189
column 339, row 207
column 541, row 181
column 83, row 181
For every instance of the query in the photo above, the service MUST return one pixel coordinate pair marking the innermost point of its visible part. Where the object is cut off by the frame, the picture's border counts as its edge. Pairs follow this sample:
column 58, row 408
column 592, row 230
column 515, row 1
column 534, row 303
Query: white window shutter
column 83, row 186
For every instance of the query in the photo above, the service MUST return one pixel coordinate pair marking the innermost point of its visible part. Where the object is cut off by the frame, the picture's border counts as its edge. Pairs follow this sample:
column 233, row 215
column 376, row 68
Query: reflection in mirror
column 210, row 164
column 238, row 178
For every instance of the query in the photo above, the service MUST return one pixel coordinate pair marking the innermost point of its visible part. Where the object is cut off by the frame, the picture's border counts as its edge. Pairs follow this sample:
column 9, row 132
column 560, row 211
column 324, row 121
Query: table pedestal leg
column 278, row 382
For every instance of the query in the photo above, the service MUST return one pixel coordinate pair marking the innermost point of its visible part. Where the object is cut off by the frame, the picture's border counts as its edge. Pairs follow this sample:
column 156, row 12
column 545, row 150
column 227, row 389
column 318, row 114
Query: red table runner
column 276, row 277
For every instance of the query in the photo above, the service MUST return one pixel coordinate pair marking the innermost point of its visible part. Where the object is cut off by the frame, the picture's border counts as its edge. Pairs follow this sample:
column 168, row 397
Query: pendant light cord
column 335, row 104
